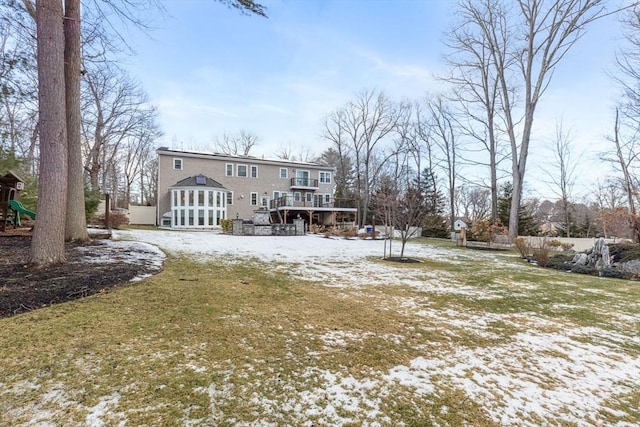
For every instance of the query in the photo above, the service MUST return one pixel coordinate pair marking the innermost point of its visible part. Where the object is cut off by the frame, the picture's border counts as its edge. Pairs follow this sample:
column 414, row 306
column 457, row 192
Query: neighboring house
column 197, row 190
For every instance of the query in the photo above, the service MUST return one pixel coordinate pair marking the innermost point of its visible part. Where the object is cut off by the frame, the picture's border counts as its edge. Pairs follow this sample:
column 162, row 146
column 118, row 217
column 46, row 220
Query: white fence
column 579, row 244
column 142, row 215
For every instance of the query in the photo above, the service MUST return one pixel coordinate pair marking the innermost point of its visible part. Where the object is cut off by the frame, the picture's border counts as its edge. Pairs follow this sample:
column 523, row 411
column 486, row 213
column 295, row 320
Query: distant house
column 198, row 190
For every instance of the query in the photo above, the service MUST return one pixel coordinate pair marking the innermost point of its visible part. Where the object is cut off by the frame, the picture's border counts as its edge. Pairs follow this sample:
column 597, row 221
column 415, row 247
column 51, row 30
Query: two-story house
column 197, row 190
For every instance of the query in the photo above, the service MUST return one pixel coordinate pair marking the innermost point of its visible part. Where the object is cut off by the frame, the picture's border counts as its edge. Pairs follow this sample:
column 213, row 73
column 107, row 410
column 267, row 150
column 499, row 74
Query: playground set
column 10, row 206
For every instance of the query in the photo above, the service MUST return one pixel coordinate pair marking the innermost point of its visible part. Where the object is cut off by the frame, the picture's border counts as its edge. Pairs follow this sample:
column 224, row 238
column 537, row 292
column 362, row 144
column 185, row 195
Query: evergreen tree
column 8, row 161
column 526, row 219
column 434, row 223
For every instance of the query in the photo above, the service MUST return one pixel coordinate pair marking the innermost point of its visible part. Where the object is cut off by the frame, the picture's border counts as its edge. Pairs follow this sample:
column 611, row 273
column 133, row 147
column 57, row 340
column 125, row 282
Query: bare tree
column 137, row 150
column 386, row 203
column 625, row 160
column 475, row 80
column 47, row 245
column 445, row 137
column 628, row 64
column 525, row 43
column 363, row 124
column 115, row 108
column 474, row 202
column 240, row 144
column 408, row 215
column 561, row 172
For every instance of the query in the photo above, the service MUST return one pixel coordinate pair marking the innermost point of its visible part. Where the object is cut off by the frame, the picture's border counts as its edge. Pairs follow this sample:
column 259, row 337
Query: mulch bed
column 24, row 288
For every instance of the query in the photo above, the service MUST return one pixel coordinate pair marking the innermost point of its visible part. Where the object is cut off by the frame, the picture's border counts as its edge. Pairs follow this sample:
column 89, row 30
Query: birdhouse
column 459, row 225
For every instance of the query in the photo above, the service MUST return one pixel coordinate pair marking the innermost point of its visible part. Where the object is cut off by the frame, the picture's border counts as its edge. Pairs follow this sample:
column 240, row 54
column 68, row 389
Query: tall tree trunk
column 76, row 223
column 47, row 245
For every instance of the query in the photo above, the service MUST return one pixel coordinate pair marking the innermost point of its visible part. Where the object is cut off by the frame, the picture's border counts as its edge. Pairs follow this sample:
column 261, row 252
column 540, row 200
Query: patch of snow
column 102, row 409
column 129, row 252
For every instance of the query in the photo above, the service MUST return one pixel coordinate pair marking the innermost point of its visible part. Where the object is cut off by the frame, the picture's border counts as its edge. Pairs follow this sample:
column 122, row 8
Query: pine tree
column 434, row 223
column 526, row 220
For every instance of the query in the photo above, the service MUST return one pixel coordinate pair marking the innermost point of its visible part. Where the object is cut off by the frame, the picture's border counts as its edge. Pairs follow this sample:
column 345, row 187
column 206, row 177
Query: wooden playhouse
column 10, row 188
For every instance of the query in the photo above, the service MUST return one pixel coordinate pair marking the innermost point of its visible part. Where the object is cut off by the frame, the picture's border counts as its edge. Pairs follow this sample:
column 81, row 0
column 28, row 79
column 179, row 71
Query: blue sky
column 211, row 70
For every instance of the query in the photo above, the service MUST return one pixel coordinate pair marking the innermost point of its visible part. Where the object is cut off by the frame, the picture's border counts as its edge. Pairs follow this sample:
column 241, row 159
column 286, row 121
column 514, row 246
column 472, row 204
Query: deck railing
column 317, row 202
column 304, row 182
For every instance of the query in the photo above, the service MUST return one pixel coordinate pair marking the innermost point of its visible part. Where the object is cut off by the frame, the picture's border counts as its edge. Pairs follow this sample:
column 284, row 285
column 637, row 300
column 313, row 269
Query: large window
column 325, row 177
column 197, row 207
column 241, row 171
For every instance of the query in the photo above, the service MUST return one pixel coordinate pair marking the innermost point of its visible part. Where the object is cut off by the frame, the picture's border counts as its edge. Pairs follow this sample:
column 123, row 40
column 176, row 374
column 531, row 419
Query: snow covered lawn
column 318, row 331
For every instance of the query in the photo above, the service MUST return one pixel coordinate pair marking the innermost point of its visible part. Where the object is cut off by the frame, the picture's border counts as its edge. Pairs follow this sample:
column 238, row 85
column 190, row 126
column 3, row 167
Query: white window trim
column 181, row 164
column 229, row 198
column 226, row 169
column 251, row 169
column 286, row 173
column 325, row 175
column 238, row 171
column 253, row 199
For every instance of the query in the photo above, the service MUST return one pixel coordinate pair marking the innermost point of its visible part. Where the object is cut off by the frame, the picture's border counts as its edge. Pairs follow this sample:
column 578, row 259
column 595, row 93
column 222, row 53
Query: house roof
column 248, row 159
column 198, row 181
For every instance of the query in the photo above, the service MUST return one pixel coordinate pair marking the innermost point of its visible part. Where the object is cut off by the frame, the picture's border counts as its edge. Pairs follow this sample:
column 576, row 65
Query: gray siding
column 214, row 166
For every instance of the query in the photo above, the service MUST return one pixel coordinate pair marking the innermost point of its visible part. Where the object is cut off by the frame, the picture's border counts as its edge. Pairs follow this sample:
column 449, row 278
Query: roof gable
column 198, row 181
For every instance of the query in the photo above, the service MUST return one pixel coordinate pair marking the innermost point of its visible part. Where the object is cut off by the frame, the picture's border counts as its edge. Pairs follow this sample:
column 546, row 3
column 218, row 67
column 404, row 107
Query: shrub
column 555, row 243
column 116, row 219
column 583, row 269
column 486, row 231
column 612, row 273
column 567, row 246
column 316, row 228
column 623, row 252
column 541, row 255
column 560, row 261
column 226, row 225
column 523, row 246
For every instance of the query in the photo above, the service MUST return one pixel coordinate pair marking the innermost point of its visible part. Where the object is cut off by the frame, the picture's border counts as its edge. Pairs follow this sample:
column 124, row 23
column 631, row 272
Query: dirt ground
column 24, row 288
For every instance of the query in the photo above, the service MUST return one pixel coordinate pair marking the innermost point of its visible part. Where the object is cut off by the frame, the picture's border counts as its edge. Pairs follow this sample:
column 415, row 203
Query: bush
column 227, row 225
column 624, row 252
column 584, row 269
column 555, row 243
column 541, row 255
column 341, row 232
column 523, row 246
column 316, row 228
column 116, row 219
column 567, row 246
column 486, row 231
column 612, row 273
